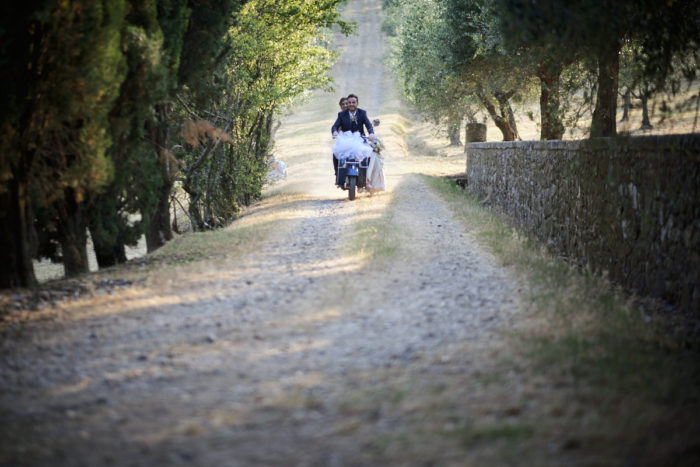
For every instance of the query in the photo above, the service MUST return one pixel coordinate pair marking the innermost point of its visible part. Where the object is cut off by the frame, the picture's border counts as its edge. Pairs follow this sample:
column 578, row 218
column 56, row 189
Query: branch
column 205, row 155
column 191, row 112
column 489, row 106
column 183, row 209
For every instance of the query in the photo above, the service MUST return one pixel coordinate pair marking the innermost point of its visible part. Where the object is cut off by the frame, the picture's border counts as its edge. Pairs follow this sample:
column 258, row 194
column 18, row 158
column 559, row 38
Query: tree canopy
column 449, row 56
column 506, row 44
column 114, row 105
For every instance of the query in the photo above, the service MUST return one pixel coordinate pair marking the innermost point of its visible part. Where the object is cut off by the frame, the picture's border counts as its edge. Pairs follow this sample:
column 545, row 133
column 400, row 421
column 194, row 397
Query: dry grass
column 669, row 114
column 607, row 370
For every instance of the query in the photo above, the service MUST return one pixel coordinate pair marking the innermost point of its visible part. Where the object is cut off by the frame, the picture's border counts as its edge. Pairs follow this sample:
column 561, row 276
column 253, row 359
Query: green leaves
column 88, row 125
column 272, row 54
column 449, row 55
column 79, row 72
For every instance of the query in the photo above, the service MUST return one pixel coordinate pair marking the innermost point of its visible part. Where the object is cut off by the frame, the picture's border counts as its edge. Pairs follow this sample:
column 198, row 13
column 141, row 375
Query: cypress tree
column 173, row 18
column 115, row 217
column 66, row 64
column 80, row 72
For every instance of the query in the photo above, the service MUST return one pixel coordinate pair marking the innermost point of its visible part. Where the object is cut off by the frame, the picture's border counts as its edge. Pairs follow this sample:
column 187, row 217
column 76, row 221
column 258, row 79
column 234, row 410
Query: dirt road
column 338, row 334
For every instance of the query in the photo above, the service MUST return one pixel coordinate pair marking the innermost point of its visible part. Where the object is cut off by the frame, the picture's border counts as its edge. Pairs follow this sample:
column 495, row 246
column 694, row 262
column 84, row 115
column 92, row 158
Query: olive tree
column 450, row 55
column 597, row 30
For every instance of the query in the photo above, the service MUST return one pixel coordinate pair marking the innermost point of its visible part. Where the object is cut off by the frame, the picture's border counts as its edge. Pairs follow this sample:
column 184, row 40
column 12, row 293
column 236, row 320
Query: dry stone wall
column 628, row 206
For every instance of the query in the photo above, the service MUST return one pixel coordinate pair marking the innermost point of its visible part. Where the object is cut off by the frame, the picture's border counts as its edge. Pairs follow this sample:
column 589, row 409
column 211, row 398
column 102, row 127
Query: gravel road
column 288, row 354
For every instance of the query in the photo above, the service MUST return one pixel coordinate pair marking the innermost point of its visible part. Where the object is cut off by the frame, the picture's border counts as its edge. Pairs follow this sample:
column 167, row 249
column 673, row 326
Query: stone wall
column 630, row 206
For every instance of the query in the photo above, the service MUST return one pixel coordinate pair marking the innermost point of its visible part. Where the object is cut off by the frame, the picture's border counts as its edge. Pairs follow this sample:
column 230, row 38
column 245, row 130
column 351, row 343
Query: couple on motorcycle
column 351, row 148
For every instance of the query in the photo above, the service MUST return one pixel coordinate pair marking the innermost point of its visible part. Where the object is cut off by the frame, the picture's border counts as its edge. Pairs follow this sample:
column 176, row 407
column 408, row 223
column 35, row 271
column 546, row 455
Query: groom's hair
column 353, row 95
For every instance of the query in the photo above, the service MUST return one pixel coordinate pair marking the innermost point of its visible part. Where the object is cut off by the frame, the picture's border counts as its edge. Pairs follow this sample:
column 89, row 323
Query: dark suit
column 345, row 123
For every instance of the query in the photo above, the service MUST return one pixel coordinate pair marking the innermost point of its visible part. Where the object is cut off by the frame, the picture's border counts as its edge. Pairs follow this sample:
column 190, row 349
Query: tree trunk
column 603, row 123
column 646, row 123
column 107, row 227
column 108, row 253
column 195, row 213
column 503, row 124
column 159, row 230
column 193, row 207
column 191, row 174
column 73, row 234
column 507, row 111
column 628, row 105
column 16, row 269
column 454, row 124
column 551, row 125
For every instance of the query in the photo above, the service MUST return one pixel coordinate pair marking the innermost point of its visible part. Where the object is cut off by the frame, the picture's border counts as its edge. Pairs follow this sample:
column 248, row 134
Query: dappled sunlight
column 274, row 209
column 227, row 281
column 292, row 347
column 334, row 266
column 121, row 302
column 273, row 200
column 192, row 286
column 70, row 388
column 325, row 315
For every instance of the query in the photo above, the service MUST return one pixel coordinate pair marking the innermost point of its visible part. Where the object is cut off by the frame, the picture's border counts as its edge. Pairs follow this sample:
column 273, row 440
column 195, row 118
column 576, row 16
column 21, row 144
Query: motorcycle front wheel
column 352, row 183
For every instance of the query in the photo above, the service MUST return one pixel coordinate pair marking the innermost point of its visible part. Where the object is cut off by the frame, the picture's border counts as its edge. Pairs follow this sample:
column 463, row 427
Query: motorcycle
column 352, row 174
column 352, row 166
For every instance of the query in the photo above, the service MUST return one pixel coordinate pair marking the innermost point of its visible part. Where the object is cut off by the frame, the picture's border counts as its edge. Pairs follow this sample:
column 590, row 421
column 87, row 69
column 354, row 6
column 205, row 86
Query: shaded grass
column 635, row 382
column 195, row 246
column 242, row 235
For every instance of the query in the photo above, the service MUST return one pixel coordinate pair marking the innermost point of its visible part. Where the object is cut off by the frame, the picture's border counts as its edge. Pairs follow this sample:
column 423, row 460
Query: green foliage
column 419, row 48
column 204, row 46
column 449, row 56
column 273, row 53
column 131, row 191
column 278, row 49
column 173, row 18
column 79, row 69
column 567, row 31
column 97, row 91
column 70, row 107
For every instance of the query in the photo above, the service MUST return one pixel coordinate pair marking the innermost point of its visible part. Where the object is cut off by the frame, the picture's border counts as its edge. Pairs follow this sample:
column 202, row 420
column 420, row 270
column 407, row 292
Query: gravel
column 260, row 359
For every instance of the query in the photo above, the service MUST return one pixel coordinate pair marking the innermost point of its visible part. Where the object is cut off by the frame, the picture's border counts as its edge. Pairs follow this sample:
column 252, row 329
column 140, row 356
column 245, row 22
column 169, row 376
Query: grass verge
column 626, row 385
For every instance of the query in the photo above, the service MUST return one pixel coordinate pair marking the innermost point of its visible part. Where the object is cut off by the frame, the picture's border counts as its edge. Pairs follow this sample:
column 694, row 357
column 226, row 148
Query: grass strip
column 629, row 377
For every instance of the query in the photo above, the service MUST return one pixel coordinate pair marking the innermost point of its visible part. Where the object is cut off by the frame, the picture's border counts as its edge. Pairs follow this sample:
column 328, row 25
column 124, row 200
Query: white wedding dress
column 349, row 144
column 375, row 173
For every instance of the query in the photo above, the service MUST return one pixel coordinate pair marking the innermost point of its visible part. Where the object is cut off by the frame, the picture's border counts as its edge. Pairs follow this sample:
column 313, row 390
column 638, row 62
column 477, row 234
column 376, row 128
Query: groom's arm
column 368, row 124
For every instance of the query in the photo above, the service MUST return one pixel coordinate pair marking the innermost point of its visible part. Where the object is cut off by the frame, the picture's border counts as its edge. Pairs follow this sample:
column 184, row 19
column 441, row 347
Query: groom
column 353, row 119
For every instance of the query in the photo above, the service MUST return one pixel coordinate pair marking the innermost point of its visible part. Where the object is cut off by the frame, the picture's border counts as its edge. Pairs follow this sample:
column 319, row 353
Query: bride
column 375, row 170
